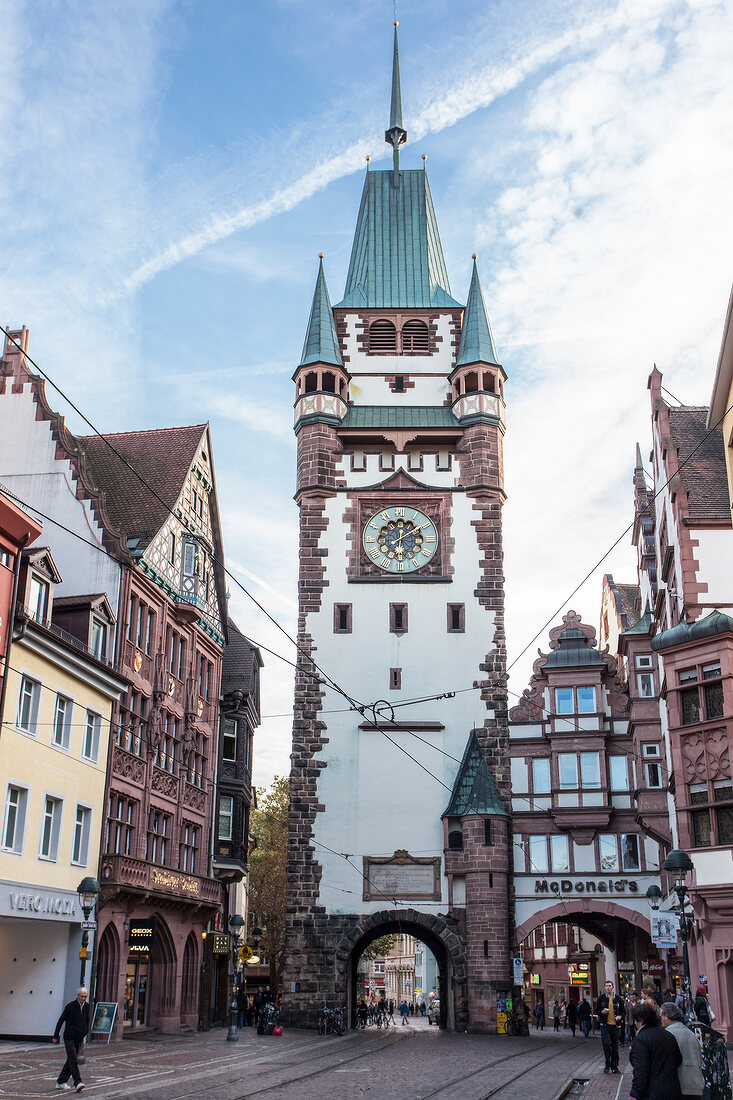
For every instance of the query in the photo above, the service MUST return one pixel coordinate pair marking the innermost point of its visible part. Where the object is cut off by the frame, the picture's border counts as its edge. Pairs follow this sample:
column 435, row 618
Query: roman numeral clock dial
column 400, row 539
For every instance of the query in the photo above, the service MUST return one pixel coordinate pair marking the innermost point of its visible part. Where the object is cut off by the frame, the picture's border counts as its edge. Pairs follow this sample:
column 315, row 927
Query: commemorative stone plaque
column 401, row 876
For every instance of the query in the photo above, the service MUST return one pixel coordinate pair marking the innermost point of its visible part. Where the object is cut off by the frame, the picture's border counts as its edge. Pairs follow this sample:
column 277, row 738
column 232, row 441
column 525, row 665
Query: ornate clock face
column 400, row 539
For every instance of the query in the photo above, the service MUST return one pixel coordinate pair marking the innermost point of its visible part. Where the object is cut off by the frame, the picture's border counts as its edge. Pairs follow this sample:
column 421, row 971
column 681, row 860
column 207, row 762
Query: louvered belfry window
column 415, row 338
column 382, row 338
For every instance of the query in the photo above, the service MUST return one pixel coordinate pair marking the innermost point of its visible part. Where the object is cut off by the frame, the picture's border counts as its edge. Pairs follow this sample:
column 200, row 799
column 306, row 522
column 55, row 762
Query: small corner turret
column 321, row 379
column 477, row 380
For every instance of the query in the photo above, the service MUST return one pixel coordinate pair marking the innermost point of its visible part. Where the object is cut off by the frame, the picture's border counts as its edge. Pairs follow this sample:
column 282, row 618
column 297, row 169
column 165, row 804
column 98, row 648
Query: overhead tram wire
column 252, row 641
column 170, row 512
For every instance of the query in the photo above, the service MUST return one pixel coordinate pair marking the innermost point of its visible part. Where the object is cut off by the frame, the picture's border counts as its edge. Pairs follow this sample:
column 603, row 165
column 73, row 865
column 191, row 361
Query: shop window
column 229, row 739
column 28, row 701
column 16, row 802
column 415, row 339
column 541, row 775
column 48, row 846
column 61, row 730
column 382, row 338
column 342, row 618
column 80, row 842
column 92, row 733
column 456, row 618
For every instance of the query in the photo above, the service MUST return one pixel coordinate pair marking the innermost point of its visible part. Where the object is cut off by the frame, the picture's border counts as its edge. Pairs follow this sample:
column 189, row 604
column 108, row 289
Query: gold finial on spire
column 474, row 255
column 396, row 23
column 425, row 156
column 368, row 158
column 321, row 255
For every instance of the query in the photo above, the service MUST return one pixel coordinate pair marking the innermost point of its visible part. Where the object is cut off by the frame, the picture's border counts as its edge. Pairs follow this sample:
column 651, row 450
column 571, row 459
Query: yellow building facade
column 53, row 759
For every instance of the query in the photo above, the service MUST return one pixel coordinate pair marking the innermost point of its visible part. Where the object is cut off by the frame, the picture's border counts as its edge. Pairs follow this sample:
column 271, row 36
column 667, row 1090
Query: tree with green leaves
column 268, row 872
column 379, row 947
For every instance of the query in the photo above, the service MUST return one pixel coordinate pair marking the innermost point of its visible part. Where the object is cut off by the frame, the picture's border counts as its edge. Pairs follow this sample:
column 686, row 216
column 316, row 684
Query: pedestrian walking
column 655, row 1057
column 539, row 1015
column 702, row 1005
column 404, row 1013
column 242, row 1006
column 692, row 1082
column 556, row 1015
column 611, row 1011
column 585, row 1015
column 572, row 1016
column 75, row 1022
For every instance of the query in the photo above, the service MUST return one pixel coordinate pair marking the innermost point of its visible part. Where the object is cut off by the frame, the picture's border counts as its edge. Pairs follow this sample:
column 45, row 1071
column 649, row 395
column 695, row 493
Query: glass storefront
column 136, row 993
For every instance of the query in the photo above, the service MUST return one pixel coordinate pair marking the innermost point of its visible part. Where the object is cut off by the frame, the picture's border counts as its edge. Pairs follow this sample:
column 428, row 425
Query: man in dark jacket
column 655, row 1057
column 611, row 1013
column 585, row 1016
column 75, row 1017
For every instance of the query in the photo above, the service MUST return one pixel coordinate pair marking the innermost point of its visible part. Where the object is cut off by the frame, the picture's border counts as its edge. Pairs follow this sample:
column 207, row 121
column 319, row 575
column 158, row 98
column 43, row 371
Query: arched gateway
column 399, row 813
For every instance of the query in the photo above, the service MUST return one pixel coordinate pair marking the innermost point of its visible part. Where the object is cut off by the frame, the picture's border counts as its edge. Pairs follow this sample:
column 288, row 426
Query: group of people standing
column 249, row 1006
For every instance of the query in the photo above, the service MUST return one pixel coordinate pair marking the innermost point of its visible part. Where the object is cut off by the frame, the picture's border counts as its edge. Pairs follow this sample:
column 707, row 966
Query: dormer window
column 415, row 338
column 38, row 593
column 99, row 638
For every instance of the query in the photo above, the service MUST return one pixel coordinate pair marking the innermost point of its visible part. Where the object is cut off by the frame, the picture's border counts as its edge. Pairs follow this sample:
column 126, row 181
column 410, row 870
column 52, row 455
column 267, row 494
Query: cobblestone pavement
column 412, row 1063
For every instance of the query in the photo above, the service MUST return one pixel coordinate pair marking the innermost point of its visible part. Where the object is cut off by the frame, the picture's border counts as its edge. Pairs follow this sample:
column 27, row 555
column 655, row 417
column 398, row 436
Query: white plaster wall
column 359, row 363
column 371, row 788
column 29, row 468
column 715, row 553
column 373, row 475
column 374, row 390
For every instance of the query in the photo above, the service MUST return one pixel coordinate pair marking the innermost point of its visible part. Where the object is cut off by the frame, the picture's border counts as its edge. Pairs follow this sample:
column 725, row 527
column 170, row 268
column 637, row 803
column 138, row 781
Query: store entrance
column 137, row 993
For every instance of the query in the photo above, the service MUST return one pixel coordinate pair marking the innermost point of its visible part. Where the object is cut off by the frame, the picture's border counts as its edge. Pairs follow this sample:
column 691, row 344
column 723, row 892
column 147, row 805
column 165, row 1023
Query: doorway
column 137, row 992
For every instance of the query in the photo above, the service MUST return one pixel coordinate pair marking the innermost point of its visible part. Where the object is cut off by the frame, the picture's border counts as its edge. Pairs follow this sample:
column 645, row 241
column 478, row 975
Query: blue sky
column 171, row 170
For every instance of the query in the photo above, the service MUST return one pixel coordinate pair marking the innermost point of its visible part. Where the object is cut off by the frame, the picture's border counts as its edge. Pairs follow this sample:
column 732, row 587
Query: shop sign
column 586, row 886
column 655, row 966
column 535, row 979
column 664, row 930
column 141, row 935
column 219, row 943
column 579, row 977
column 625, row 966
column 24, row 901
column 184, row 883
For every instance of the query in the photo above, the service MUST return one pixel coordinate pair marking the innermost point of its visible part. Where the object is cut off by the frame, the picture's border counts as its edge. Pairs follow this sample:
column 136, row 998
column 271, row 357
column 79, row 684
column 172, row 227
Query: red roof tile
column 162, row 456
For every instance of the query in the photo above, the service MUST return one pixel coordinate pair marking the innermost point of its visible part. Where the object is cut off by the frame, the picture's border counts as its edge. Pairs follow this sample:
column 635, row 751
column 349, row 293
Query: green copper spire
column 474, row 791
column 396, row 135
column 321, row 342
column 477, row 343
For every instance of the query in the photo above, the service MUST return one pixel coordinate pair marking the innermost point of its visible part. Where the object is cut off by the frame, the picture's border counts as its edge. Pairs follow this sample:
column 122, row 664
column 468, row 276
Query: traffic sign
column 89, row 925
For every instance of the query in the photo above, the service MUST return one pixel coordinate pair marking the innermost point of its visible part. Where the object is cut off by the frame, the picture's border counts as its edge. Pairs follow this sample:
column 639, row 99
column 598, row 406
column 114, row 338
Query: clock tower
column 399, row 817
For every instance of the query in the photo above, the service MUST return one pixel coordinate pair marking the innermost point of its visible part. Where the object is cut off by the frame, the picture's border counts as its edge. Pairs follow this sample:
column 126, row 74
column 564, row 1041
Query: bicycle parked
column 331, row 1021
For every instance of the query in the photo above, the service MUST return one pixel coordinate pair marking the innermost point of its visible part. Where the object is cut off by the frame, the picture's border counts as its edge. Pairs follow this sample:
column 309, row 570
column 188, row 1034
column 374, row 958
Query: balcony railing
column 22, row 613
column 138, row 874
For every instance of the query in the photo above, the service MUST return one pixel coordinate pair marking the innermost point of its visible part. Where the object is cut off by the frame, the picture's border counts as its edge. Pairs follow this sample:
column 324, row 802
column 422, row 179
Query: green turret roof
column 321, row 342
column 714, row 623
column 474, row 791
column 477, row 343
column 397, row 258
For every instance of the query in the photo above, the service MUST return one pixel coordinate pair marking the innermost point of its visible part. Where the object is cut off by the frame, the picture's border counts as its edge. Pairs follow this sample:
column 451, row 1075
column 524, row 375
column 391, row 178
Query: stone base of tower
column 322, row 953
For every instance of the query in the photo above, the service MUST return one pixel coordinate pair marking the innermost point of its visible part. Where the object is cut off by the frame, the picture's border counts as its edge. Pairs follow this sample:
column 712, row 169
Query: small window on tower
column 395, row 679
column 398, row 618
column 399, row 384
column 487, row 831
column 329, row 382
column 342, row 618
column 456, row 618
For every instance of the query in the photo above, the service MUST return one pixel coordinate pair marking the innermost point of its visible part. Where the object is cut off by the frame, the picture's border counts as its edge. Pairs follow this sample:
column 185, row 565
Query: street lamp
column 88, row 891
column 654, row 894
column 679, row 864
column 236, row 924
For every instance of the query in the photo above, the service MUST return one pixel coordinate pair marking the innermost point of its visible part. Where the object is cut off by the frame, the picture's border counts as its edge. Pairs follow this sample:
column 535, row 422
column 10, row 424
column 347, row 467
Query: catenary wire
column 170, row 512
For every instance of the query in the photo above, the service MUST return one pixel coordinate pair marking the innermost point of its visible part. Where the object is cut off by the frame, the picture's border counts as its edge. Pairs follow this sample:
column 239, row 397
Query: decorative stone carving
column 693, row 758
column 156, row 723
column 128, row 766
column 163, row 783
column 718, row 754
column 194, row 797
